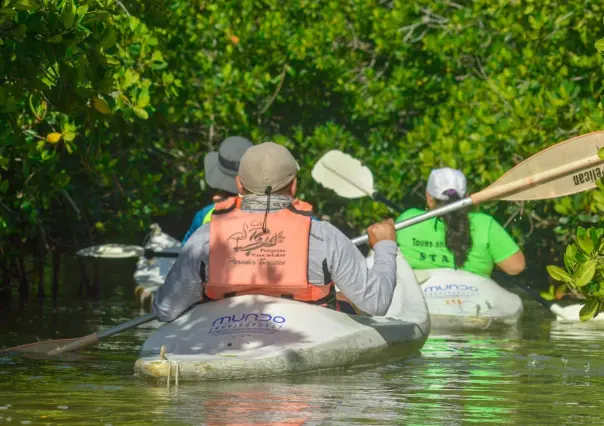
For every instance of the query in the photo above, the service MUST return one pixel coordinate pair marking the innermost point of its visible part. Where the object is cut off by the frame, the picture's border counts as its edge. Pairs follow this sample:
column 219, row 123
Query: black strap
column 227, row 210
column 292, row 209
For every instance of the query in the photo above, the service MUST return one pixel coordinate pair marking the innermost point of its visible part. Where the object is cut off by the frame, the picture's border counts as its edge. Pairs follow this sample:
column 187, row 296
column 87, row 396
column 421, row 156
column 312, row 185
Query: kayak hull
column 254, row 336
column 460, row 299
column 208, row 345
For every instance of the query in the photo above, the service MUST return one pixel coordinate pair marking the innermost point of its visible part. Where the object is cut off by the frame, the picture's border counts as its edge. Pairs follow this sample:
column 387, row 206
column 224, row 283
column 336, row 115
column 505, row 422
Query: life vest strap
column 329, row 301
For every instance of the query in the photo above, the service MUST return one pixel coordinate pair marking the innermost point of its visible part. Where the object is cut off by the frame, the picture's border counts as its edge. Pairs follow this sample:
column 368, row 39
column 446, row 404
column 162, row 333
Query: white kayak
column 260, row 336
column 151, row 273
column 460, row 299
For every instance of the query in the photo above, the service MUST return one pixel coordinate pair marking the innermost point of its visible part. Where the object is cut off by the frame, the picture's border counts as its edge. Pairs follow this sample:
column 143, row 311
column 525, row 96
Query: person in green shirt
column 473, row 242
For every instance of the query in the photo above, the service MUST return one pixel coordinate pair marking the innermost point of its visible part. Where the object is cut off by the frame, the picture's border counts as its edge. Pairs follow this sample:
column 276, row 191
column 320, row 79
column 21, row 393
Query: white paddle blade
column 112, row 251
column 343, row 174
column 576, row 159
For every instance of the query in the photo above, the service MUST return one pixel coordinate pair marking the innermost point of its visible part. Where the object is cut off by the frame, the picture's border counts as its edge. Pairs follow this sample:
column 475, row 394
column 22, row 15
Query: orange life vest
column 246, row 260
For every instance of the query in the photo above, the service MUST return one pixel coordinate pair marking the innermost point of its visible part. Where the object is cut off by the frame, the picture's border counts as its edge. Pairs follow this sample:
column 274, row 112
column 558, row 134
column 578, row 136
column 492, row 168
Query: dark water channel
column 541, row 372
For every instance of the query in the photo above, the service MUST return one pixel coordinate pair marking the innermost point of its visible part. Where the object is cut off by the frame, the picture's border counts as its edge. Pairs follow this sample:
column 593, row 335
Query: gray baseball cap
column 267, row 164
column 222, row 167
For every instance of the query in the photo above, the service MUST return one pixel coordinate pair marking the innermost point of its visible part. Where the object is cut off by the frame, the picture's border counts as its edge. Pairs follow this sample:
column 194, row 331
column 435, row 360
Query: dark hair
column 458, row 238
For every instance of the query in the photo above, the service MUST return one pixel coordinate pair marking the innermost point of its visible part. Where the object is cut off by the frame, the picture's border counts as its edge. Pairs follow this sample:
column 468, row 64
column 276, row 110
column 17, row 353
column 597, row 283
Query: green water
column 538, row 373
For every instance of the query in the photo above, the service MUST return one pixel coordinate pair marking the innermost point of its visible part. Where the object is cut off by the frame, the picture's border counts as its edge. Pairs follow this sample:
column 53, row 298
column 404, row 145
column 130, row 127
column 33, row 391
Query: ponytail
column 458, row 238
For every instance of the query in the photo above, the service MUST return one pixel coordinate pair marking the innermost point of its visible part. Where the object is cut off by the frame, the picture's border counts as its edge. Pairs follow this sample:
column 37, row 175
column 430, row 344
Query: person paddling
column 220, row 172
column 270, row 246
column 474, row 242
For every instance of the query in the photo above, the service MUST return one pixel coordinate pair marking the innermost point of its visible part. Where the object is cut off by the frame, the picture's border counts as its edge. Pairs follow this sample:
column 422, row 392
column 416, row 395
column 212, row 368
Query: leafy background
column 108, row 107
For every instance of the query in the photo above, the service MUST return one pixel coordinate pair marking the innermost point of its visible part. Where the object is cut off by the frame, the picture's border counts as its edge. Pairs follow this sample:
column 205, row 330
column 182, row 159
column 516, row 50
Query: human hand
column 381, row 231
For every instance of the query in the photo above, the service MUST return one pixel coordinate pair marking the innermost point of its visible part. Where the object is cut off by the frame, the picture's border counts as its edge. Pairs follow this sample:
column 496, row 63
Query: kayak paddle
column 122, row 251
column 57, row 347
column 347, row 177
column 566, row 168
column 543, row 175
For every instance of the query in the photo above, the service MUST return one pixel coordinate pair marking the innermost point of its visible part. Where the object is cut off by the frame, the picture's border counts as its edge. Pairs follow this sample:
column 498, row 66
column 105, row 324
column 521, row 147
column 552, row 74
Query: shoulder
column 409, row 213
column 482, row 218
column 325, row 230
column 198, row 239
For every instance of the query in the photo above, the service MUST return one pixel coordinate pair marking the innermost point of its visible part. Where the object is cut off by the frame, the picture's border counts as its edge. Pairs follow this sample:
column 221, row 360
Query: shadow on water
column 540, row 372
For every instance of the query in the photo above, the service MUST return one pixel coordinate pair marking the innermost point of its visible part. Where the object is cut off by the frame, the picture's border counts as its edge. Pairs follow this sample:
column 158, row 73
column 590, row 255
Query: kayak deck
column 217, row 341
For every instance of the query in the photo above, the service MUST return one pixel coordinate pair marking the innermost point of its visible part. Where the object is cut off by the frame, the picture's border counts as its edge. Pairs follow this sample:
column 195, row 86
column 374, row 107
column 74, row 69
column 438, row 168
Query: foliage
column 108, row 108
column 77, row 80
column 583, row 276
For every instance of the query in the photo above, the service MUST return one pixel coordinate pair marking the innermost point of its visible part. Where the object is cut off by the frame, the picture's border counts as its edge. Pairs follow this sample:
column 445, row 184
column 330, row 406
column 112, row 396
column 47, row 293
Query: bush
column 110, row 106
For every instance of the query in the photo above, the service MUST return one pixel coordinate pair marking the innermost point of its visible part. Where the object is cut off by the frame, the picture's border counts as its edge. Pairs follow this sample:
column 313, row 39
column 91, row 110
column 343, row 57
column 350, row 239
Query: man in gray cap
column 221, row 169
column 270, row 245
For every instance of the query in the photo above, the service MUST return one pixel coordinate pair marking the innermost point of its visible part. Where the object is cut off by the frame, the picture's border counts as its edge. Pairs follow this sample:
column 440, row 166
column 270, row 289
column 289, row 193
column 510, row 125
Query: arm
column 369, row 289
column 505, row 252
column 514, row 264
column 183, row 285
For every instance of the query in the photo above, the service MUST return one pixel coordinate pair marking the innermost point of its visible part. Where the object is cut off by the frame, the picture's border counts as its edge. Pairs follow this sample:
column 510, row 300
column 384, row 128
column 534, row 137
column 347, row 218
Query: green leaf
column 546, row 296
column 55, row 39
column 585, row 273
column 601, row 150
column 599, row 45
column 69, row 136
column 589, row 309
column 586, row 244
column 570, row 256
column 140, row 113
column 143, row 98
column 109, row 38
column 68, row 15
column 558, row 273
column 27, row 5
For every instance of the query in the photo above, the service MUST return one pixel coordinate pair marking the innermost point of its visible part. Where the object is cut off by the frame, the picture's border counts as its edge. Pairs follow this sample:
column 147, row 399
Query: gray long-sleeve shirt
column 369, row 289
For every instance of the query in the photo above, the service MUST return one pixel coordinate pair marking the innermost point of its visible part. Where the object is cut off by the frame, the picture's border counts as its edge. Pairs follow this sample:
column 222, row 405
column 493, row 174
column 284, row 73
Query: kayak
column 260, row 336
column 151, row 273
column 456, row 299
column 461, row 299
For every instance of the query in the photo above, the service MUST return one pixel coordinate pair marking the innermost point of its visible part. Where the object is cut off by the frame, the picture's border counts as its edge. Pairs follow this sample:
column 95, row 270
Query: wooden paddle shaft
column 496, row 191
column 95, row 337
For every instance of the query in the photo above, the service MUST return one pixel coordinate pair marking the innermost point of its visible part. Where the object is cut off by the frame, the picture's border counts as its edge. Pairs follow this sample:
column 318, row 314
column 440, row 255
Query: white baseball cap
column 446, row 182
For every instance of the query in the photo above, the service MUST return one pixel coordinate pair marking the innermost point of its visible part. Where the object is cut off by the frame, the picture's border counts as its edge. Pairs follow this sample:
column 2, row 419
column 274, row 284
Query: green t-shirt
column 423, row 244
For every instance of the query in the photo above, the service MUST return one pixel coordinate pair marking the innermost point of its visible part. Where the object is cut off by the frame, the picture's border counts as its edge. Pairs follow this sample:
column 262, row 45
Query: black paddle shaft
column 152, row 253
column 379, row 197
column 526, row 288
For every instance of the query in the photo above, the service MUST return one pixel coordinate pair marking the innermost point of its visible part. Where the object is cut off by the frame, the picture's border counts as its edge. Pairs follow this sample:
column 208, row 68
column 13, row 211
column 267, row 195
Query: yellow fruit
column 53, row 137
column 101, row 106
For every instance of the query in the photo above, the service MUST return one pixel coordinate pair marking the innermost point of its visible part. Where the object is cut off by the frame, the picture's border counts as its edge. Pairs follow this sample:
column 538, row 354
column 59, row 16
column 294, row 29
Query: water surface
column 540, row 372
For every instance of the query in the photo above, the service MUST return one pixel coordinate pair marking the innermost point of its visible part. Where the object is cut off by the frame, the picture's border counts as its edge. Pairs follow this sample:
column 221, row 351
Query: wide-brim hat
column 221, row 168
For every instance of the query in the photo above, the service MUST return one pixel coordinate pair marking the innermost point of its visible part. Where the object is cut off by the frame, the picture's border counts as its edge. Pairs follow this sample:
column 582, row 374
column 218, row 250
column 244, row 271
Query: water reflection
column 541, row 372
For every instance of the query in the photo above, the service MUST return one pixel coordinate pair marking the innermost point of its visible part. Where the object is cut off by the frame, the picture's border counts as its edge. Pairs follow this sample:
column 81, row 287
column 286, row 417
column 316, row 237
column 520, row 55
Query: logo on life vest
column 247, row 323
column 253, row 238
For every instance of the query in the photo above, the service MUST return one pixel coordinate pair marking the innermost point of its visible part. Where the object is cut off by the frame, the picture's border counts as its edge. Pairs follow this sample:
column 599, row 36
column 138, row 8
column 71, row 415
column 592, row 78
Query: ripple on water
column 540, row 370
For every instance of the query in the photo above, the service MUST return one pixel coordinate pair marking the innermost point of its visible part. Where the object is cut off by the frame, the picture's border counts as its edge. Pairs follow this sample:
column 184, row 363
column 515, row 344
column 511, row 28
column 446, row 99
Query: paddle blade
column 38, row 347
column 112, row 251
column 577, row 161
column 343, row 174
